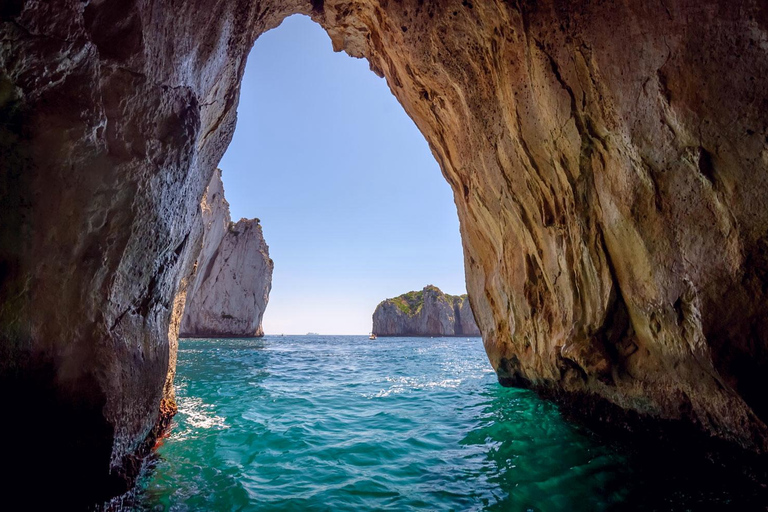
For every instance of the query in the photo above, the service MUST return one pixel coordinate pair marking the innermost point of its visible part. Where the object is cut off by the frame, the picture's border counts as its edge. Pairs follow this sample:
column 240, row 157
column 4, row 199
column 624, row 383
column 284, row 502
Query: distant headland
column 428, row 312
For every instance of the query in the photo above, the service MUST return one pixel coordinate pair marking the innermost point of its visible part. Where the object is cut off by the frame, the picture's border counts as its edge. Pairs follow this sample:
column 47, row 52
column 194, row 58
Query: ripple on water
column 342, row 423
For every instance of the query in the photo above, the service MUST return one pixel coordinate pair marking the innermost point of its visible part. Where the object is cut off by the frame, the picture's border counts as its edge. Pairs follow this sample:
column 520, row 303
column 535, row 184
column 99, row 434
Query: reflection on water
column 344, row 423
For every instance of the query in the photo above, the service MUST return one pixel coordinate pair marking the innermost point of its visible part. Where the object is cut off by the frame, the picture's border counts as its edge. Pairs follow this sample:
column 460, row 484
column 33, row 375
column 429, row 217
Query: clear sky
column 352, row 202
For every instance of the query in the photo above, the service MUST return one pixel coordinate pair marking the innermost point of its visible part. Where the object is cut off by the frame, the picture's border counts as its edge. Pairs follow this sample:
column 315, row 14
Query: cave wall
column 607, row 160
column 114, row 116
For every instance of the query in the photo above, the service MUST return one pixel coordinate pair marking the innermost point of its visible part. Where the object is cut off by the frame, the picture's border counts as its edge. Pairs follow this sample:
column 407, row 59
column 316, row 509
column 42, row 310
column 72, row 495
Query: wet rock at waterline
column 428, row 312
column 608, row 162
column 233, row 275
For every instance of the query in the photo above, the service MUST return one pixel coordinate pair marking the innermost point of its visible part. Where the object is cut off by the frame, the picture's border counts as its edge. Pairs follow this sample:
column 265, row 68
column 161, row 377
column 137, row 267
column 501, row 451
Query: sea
column 344, row 423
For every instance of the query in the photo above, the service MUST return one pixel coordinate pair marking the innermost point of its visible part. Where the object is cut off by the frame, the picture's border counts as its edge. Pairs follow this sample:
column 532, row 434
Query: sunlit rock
column 233, row 275
column 428, row 312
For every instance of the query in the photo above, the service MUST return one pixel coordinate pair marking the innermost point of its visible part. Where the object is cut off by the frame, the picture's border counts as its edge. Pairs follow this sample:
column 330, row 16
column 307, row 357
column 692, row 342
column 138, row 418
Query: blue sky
column 353, row 205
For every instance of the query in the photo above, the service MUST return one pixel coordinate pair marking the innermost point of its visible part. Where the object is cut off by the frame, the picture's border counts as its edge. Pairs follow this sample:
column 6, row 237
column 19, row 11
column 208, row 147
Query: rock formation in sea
column 608, row 162
column 428, row 312
column 233, row 274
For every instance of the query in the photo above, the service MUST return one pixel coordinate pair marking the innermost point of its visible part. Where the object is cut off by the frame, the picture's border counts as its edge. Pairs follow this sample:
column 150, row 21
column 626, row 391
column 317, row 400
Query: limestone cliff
column 233, row 274
column 428, row 312
column 465, row 318
column 608, row 162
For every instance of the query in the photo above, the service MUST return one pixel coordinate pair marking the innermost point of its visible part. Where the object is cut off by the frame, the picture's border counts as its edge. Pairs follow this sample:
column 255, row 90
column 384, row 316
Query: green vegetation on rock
column 411, row 303
column 453, row 299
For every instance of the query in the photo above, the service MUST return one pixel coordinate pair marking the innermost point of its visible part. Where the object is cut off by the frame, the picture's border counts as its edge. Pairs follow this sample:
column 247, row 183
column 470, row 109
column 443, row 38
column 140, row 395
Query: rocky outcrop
column 233, row 275
column 608, row 162
column 428, row 312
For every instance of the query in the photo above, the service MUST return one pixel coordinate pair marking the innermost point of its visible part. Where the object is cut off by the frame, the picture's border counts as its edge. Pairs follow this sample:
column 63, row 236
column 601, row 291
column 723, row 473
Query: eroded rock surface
column 233, row 275
column 428, row 312
column 608, row 162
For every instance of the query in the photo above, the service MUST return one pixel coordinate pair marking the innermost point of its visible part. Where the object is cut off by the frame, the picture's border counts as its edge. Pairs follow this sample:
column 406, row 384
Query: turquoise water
column 343, row 423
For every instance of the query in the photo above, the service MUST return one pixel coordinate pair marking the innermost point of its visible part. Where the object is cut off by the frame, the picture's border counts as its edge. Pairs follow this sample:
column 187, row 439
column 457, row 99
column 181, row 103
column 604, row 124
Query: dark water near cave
column 342, row 423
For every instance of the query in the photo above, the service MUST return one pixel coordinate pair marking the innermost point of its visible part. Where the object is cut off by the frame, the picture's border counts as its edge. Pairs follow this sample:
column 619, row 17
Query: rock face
column 233, row 274
column 608, row 162
column 429, row 312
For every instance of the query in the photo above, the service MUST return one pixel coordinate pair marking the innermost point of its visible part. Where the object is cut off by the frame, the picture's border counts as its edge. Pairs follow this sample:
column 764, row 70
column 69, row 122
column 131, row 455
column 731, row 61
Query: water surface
column 344, row 423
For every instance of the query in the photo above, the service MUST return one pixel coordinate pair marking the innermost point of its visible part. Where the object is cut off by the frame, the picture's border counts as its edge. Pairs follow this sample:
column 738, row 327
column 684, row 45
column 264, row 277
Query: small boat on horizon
column 372, row 336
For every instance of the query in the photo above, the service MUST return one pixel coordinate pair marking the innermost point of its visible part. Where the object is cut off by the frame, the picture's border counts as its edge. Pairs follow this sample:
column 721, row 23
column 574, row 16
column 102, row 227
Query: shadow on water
column 547, row 464
column 541, row 462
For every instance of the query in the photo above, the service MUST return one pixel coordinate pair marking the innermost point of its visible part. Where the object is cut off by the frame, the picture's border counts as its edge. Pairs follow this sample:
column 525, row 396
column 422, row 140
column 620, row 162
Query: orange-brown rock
column 608, row 161
column 609, row 166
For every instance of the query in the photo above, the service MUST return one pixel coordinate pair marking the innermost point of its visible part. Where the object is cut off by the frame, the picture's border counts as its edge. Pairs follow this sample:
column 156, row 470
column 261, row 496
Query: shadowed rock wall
column 114, row 115
column 608, row 162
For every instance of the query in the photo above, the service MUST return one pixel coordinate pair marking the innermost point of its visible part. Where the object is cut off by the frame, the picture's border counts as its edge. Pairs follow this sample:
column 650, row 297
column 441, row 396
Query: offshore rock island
column 233, row 274
column 428, row 312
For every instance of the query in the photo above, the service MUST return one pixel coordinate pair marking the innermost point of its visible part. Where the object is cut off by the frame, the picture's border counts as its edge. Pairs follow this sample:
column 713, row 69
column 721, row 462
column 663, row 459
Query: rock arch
column 608, row 162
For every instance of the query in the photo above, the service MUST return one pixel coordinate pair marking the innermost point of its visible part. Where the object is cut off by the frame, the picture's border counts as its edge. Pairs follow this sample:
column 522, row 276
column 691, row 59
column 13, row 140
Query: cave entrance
column 352, row 202
column 355, row 211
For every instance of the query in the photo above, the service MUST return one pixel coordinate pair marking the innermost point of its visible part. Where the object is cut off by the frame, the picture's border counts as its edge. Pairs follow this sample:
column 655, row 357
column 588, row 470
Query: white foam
column 406, row 384
column 198, row 416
